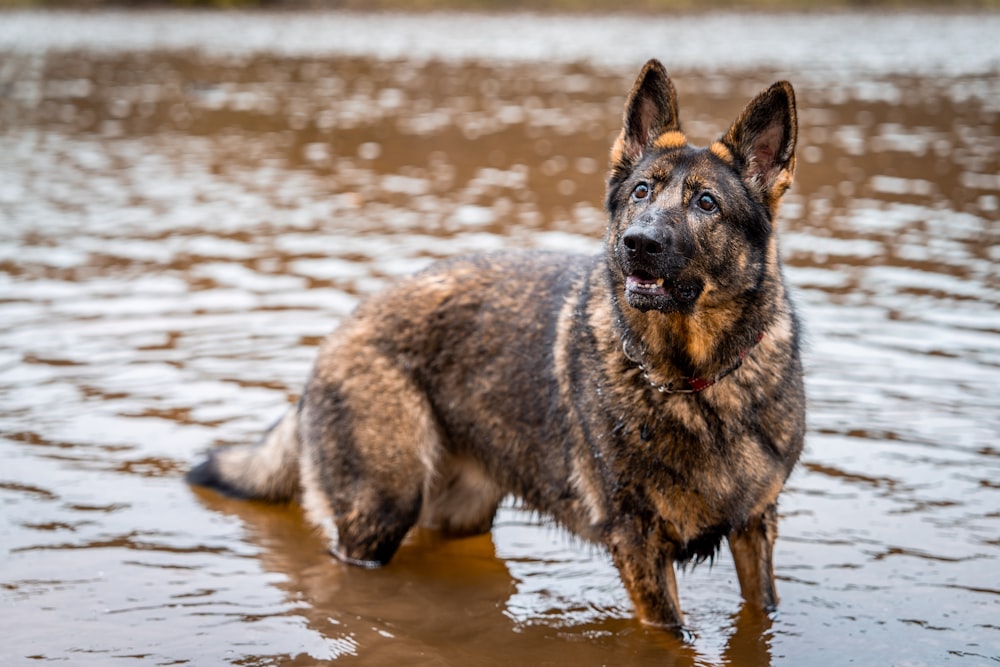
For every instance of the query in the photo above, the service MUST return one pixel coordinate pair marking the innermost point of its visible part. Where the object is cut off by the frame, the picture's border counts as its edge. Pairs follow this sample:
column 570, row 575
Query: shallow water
column 190, row 202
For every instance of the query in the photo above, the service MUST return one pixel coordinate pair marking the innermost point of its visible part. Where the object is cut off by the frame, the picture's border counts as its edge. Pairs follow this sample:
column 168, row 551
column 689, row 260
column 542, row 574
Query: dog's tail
column 268, row 470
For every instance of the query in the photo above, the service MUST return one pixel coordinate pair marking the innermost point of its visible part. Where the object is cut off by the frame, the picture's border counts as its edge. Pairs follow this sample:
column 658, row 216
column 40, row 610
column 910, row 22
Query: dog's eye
column 641, row 191
column 706, row 203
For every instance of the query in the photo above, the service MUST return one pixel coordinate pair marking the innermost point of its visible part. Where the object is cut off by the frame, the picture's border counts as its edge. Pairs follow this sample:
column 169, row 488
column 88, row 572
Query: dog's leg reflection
column 449, row 599
column 750, row 643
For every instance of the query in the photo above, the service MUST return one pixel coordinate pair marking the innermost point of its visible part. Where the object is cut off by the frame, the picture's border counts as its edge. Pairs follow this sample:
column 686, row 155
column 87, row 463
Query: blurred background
column 563, row 6
column 191, row 199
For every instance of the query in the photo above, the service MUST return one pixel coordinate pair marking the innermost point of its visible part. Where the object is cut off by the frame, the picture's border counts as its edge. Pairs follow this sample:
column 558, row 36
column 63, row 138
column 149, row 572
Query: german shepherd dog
column 648, row 399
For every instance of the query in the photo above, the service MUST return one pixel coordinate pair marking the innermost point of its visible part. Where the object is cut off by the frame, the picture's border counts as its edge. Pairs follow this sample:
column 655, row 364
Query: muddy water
column 189, row 202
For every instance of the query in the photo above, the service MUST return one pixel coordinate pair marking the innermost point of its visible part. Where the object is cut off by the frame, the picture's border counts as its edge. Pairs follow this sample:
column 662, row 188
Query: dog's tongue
column 645, row 284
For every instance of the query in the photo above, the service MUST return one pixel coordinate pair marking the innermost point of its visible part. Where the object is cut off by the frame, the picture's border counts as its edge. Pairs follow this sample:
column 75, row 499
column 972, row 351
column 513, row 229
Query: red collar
column 686, row 385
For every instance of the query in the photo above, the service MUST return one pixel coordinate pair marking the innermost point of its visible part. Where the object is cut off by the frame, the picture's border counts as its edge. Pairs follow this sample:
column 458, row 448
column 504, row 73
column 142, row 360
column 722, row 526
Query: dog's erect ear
column 650, row 111
column 763, row 141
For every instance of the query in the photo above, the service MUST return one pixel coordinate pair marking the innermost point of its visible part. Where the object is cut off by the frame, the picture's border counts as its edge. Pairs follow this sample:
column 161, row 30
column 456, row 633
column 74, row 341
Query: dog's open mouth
column 647, row 292
column 643, row 283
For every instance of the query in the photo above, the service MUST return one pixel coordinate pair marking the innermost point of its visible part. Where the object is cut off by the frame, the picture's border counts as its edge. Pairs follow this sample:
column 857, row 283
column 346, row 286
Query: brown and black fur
column 552, row 377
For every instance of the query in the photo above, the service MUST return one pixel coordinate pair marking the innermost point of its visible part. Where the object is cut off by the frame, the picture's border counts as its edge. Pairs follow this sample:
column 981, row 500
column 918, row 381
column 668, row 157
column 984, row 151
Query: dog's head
column 691, row 227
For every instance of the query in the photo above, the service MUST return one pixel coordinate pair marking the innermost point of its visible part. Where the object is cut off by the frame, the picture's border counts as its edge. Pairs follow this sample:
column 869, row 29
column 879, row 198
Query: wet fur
column 519, row 374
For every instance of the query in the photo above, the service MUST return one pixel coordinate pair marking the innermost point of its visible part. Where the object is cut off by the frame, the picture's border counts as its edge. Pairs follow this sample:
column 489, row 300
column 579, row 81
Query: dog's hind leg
column 370, row 443
column 268, row 470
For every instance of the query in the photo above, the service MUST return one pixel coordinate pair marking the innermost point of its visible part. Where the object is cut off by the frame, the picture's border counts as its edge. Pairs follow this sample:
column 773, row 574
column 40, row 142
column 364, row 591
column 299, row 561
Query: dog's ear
column 763, row 141
column 650, row 111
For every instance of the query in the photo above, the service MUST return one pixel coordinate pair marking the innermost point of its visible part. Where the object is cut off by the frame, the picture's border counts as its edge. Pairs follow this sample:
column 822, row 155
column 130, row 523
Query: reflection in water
column 180, row 229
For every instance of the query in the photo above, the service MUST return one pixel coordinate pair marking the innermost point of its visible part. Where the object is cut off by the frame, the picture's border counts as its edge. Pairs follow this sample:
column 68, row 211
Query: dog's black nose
column 645, row 241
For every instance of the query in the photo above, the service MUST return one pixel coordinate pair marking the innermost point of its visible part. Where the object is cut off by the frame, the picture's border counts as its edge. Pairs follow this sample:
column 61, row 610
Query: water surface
column 190, row 202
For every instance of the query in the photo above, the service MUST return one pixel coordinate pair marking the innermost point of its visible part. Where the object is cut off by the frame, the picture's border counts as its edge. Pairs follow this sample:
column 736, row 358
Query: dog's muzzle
column 653, row 266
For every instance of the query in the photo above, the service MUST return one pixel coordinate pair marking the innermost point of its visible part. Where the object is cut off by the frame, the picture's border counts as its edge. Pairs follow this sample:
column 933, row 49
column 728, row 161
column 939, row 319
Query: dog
column 649, row 399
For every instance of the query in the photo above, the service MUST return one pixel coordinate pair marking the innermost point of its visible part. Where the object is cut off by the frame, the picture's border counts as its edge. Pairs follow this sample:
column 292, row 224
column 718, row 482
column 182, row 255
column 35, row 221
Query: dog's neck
column 684, row 385
column 688, row 353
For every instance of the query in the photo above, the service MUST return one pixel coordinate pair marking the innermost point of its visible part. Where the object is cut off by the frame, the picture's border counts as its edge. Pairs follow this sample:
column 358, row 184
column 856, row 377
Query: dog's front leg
column 647, row 571
column 753, row 553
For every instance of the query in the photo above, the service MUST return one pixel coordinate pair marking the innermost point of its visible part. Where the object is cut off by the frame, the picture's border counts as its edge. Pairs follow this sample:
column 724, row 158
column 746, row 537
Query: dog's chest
column 684, row 516
column 687, row 468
